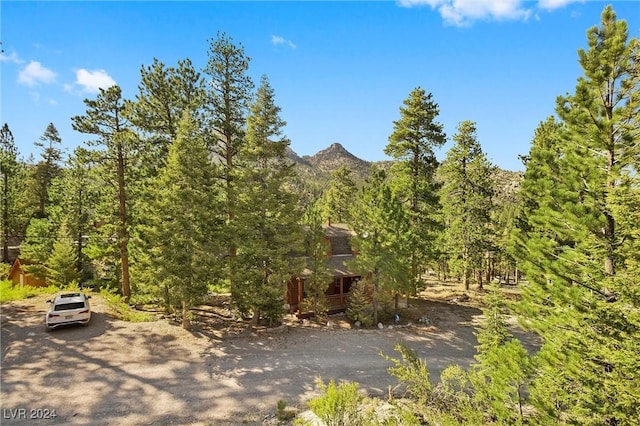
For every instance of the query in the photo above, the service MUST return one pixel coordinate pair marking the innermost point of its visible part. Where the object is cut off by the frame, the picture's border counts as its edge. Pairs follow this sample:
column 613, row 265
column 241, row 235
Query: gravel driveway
column 113, row 372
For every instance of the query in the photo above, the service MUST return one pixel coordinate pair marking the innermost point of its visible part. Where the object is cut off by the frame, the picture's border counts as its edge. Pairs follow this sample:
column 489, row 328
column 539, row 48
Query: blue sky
column 340, row 70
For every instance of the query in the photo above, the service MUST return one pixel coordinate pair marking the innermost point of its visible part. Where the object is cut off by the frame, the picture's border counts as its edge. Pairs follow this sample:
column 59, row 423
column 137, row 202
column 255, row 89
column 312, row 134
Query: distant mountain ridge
column 317, row 168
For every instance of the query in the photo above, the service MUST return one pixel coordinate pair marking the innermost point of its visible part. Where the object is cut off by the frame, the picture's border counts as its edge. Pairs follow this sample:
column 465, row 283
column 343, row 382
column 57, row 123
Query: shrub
column 9, row 292
column 123, row 310
column 412, row 372
column 338, row 405
column 359, row 307
column 4, row 270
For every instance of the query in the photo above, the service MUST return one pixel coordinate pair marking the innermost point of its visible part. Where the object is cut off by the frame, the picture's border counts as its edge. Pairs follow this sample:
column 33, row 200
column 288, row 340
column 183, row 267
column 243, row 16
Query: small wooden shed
column 21, row 277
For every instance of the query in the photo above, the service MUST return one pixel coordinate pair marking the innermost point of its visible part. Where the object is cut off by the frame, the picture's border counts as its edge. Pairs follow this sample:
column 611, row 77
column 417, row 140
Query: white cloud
column 277, row 40
column 555, row 4
column 35, row 73
column 92, row 81
column 464, row 12
column 13, row 57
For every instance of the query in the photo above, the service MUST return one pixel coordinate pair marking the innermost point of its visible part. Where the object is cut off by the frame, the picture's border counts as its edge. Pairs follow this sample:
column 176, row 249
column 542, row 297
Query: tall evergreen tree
column 382, row 239
column 37, row 246
column 48, row 168
column 317, row 248
column 8, row 171
column 466, row 202
column 182, row 226
column 74, row 196
column 337, row 199
column 504, row 368
column 164, row 93
column 577, row 245
column 61, row 264
column 226, row 105
column 268, row 214
column 415, row 137
column 106, row 120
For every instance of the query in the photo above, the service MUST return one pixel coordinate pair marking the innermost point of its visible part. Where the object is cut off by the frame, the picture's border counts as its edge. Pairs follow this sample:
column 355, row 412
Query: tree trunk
column 5, row 219
column 185, row 316
column 465, row 279
column 375, row 297
column 123, row 239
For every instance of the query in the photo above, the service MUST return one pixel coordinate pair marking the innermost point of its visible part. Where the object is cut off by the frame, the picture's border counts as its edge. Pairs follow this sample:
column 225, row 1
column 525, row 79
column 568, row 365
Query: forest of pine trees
column 188, row 186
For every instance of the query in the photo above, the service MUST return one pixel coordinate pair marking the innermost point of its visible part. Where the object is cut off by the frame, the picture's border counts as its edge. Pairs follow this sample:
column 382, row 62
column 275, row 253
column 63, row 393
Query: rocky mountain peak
column 333, row 152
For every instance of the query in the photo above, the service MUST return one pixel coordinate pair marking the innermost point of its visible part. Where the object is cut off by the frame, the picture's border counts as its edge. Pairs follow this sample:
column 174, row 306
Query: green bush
column 338, row 404
column 5, row 268
column 412, row 372
column 359, row 306
column 123, row 310
column 9, row 292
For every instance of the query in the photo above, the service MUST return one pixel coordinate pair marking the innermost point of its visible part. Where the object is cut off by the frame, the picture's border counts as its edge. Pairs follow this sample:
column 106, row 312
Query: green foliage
column 37, row 247
column 182, row 224
column 338, row 404
column 122, row 309
column 415, row 137
column 493, row 331
column 5, row 268
column 267, row 224
column 284, row 415
column 105, row 118
column 9, row 292
column 164, row 94
column 504, row 369
column 335, row 203
column 61, row 265
column 453, row 403
column 382, row 239
column 466, row 202
column 73, row 196
column 359, row 304
column 576, row 239
column 47, row 169
column 412, row 372
column 319, row 277
column 14, row 214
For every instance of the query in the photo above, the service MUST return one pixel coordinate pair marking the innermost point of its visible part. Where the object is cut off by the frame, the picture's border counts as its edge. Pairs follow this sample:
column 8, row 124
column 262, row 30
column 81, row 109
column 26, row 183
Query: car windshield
column 68, row 306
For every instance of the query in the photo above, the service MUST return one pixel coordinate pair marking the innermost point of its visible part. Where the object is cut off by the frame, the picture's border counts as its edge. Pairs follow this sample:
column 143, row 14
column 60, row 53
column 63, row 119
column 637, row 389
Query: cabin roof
column 337, row 266
column 338, row 230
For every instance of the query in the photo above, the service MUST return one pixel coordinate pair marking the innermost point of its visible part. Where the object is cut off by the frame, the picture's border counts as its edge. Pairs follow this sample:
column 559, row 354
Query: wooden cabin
column 21, row 277
column 339, row 254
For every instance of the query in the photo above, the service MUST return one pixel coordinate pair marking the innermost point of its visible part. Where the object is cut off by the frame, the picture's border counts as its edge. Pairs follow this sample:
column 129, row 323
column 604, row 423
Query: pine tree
column 61, row 264
column 48, row 168
column 268, row 217
column 105, row 119
column 577, row 245
column 37, row 246
column 504, row 369
column 8, row 172
column 318, row 279
column 415, row 137
column 226, row 105
column 164, row 93
column 466, row 202
column 182, row 225
column 74, row 196
column 337, row 198
column 382, row 239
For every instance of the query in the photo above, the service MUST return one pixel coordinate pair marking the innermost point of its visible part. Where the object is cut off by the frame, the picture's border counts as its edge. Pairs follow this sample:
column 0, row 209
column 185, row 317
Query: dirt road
column 114, row 372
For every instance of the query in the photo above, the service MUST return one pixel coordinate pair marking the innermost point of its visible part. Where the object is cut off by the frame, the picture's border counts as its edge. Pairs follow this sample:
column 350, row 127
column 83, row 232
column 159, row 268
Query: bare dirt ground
column 114, row 372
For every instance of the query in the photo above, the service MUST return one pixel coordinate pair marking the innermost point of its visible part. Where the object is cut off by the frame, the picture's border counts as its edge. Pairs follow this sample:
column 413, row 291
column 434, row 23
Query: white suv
column 67, row 309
